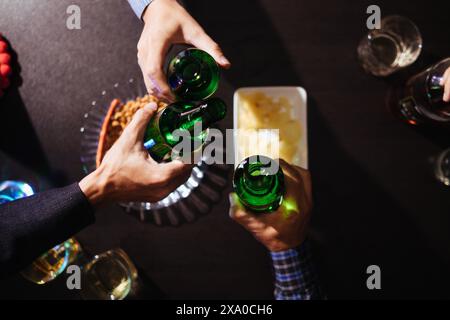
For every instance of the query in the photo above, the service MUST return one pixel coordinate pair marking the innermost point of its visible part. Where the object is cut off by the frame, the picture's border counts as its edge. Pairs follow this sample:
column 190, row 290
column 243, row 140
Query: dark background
column 376, row 200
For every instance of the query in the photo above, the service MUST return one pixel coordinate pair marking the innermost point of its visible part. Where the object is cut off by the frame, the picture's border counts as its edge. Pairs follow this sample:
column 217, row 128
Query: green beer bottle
column 159, row 139
column 193, row 75
column 259, row 183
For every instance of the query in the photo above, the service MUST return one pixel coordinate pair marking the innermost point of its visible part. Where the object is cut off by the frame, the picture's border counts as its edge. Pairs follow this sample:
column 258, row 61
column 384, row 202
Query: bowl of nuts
column 104, row 122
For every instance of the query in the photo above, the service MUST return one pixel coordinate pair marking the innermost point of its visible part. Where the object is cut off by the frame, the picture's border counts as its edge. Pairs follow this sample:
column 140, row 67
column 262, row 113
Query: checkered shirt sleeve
column 139, row 6
column 295, row 277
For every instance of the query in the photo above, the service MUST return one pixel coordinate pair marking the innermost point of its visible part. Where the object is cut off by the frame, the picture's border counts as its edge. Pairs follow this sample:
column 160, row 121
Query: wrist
column 278, row 246
column 145, row 13
column 301, row 250
column 94, row 187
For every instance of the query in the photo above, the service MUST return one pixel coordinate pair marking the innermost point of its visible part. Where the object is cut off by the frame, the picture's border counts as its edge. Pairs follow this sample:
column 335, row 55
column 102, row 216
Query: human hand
column 445, row 82
column 167, row 23
column 128, row 172
column 285, row 228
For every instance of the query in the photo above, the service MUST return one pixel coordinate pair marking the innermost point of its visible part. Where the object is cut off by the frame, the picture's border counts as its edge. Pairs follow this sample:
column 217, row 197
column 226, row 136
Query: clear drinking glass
column 422, row 99
column 397, row 44
column 52, row 263
column 442, row 167
column 108, row 276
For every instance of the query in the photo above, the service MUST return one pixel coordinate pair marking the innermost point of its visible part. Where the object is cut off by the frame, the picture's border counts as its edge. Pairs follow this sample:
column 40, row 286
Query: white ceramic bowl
column 298, row 98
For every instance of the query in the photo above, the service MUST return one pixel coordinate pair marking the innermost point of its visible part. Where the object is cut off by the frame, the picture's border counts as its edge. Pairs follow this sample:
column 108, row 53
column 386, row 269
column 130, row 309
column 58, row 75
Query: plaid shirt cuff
column 139, row 6
column 295, row 277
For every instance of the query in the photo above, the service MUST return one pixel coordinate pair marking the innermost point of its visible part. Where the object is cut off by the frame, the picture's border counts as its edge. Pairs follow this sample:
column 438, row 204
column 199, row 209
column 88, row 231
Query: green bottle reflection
column 259, row 183
column 159, row 136
column 193, row 75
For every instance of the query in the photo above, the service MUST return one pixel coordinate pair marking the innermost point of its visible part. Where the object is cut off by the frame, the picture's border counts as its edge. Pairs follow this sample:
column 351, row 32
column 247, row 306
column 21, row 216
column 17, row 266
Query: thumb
column 204, row 42
column 140, row 120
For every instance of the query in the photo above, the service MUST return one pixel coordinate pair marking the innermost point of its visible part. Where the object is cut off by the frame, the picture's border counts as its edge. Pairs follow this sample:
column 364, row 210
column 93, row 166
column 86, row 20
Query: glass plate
column 189, row 201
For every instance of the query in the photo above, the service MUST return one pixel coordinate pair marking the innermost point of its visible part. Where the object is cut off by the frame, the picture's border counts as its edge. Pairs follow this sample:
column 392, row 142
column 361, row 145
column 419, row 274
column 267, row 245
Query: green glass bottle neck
column 256, row 180
column 190, row 71
column 193, row 75
column 259, row 184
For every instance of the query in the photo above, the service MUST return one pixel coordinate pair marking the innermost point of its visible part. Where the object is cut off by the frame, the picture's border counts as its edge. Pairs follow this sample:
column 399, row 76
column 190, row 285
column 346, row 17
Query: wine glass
column 422, row 100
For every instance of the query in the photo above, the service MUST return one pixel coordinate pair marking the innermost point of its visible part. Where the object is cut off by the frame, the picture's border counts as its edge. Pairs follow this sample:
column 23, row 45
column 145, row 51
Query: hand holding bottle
column 167, row 23
column 446, row 83
column 128, row 172
column 286, row 227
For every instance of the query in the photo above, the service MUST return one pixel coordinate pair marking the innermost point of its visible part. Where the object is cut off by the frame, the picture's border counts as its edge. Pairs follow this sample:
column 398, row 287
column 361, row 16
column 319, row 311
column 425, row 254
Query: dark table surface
column 376, row 200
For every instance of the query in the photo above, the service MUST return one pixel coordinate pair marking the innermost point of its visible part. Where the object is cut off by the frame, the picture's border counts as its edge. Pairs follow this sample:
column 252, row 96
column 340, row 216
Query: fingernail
column 224, row 61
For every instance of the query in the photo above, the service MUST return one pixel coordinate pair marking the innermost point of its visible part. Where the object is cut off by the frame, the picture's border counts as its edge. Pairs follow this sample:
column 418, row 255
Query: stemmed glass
column 422, row 99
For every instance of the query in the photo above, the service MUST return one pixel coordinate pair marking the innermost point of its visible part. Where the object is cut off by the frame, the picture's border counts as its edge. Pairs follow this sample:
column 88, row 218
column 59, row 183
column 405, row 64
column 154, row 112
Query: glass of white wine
column 397, row 44
column 108, row 276
column 52, row 263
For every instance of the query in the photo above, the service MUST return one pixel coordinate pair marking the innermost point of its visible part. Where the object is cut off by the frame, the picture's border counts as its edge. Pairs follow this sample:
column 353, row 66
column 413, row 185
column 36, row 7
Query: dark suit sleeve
column 31, row 226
